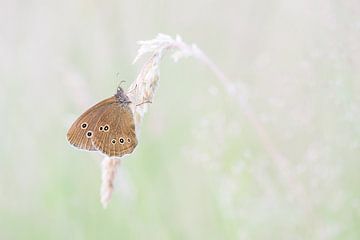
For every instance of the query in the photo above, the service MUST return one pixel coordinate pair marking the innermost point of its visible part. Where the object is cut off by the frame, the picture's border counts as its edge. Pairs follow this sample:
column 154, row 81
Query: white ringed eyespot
column 89, row 134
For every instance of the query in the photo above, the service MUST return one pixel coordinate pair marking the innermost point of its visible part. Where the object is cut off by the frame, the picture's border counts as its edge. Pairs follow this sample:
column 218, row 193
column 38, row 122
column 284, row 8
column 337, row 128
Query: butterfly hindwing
column 114, row 134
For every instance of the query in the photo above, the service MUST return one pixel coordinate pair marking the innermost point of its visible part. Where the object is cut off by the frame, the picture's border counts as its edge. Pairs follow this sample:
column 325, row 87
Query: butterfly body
column 107, row 127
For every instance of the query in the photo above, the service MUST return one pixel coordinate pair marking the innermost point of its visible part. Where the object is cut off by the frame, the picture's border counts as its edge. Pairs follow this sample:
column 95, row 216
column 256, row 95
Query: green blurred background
column 200, row 170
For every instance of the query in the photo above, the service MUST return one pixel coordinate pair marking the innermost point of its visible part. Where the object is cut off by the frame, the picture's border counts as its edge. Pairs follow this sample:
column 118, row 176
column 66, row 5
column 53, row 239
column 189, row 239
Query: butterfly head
column 121, row 97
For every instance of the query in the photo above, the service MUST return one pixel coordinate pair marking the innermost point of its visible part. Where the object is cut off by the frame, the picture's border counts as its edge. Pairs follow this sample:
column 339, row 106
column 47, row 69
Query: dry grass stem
column 142, row 90
column 109, row 170
column 149, row 77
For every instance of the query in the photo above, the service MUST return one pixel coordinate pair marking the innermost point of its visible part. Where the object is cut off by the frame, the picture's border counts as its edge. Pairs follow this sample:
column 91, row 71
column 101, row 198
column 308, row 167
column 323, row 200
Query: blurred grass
column 199, row 171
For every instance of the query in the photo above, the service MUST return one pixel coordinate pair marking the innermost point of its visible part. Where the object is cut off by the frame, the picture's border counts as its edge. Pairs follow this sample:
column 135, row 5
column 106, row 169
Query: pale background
column 200, row 170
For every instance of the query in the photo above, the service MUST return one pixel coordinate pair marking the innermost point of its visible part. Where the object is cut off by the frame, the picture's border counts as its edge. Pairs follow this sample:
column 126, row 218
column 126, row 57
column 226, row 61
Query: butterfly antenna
column 119, row 86
column 118, row 78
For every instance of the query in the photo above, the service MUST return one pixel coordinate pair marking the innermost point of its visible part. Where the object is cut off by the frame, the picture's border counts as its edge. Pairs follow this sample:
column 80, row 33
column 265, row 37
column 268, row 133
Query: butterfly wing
column 77, row 134
column 114, row 134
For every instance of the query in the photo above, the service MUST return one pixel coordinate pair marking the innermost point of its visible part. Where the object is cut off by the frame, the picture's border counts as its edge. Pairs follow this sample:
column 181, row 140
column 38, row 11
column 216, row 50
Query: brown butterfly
column 107, row 127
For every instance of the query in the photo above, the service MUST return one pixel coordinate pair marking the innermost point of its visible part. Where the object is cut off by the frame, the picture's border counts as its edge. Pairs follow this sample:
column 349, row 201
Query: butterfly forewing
column 86, row 123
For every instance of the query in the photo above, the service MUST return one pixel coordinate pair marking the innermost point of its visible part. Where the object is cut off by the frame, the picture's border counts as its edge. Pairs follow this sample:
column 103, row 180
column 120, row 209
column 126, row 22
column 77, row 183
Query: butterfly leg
column 133, row 89
column 146, row 101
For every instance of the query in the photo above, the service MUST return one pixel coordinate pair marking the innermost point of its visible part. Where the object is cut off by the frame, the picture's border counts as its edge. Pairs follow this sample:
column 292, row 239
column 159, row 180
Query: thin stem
column 280, row 161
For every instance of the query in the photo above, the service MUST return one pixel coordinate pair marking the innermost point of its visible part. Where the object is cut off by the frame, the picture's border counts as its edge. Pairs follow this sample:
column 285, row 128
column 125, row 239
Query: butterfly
column 107, row 127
